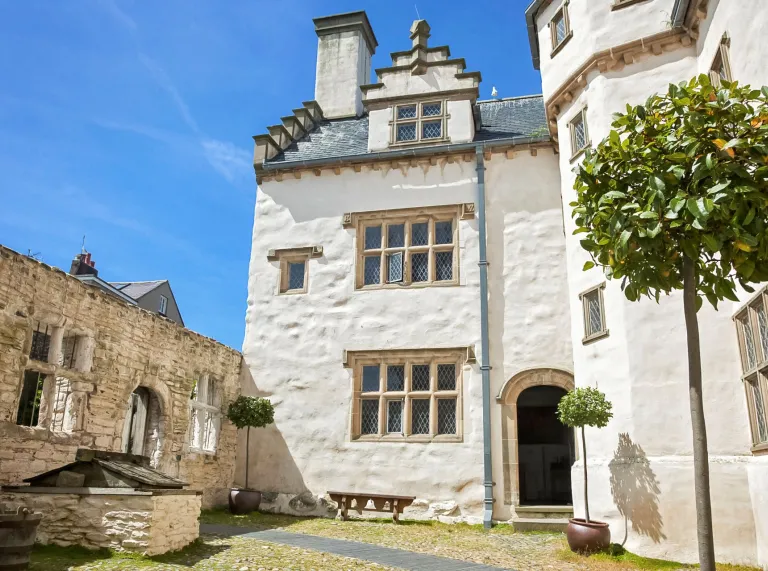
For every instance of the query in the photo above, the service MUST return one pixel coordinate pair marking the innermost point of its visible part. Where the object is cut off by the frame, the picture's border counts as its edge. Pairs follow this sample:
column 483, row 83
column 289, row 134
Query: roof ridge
column 510, row 98
column 139, row 282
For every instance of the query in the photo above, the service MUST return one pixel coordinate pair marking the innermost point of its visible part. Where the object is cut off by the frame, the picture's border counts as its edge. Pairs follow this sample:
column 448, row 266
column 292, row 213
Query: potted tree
column 585, row 406
column 246, row 412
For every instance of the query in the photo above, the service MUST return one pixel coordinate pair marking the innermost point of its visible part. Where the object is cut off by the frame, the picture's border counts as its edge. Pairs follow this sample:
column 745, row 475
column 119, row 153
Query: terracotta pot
column 586, row 537
column 244, row 501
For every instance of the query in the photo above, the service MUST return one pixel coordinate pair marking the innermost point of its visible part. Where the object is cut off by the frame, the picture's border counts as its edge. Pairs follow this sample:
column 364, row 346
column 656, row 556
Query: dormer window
column 419, row 122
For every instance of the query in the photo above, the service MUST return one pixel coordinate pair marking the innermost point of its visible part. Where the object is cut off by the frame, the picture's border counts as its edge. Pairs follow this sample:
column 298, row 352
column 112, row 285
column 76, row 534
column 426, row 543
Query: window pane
column 395, row 267
column 444, row 232
column 372, row 270
column 395, row 416
column 443, row 266
column 594, row 313
column 406, row 112
column 761, row 420
column 430, row 109
column 396, row 377
column 762, row 325
column 420, row 416
column 406, row 132
column 446, row 377
column 419, row 267
column 395, row 235
column 372, row 237
column 31, row 394
column 431, row 129
column 420, row 378
column 446, row 416
column 369, row 417
column 750, row 356
column 579, row 134
column 419, row 234
column 296, row 275
column 560, row 27
column 371, row 379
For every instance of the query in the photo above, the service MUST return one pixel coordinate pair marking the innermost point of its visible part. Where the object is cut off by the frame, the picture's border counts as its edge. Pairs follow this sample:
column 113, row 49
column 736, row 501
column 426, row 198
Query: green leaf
column 648, row 215
column 719, row 186
column 657, row 183
column 588, row 266
column 732, row 143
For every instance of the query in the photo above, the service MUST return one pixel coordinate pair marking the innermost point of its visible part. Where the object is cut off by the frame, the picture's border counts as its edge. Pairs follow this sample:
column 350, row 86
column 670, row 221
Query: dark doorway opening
column 545, row 448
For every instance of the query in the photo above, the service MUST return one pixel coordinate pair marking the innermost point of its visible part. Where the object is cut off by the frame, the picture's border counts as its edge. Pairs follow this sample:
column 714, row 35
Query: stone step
column 543, row 512
column 540, row 524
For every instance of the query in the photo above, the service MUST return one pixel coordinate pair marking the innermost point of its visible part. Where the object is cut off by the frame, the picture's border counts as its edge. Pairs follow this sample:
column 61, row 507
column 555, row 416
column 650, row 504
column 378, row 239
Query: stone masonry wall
column 146, row 524
column 120, row 347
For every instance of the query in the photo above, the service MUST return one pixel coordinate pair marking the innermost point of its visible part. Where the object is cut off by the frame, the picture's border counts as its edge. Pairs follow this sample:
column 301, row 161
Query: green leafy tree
column 676, row 197
column 246, row 412
column 582, row 407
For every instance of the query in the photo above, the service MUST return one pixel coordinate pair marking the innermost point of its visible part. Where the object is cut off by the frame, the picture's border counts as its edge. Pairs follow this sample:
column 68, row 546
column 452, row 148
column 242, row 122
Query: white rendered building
column 417, row 306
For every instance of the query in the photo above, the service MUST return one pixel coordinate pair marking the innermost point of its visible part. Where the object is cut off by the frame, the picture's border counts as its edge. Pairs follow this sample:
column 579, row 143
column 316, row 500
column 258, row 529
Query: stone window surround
column 576, row 152
column 355, row 360
column 418, row 121
column 583, row 297
column 359, row 221
column 619, row 4
column 286, row 256
column 202, row 401
column 561, row 12
column 722, row 58
column 758, row 373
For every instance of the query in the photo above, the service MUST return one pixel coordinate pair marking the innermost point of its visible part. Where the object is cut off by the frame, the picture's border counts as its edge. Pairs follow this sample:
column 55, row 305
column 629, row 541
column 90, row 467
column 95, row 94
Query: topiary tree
column 582, row 407
column 246, row 412
column 676, row 198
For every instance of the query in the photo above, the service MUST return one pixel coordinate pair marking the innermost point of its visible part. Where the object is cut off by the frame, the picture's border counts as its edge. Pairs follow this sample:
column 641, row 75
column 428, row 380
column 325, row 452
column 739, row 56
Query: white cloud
column 232, row 162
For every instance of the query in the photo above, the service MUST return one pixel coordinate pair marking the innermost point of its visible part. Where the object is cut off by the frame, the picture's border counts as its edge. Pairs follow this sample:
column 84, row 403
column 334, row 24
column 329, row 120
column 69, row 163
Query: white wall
column 641, row 463
column 293, row 345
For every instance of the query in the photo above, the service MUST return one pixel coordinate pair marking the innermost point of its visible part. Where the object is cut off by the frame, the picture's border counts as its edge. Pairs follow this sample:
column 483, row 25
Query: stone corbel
column 467, row 211
column 308, row 251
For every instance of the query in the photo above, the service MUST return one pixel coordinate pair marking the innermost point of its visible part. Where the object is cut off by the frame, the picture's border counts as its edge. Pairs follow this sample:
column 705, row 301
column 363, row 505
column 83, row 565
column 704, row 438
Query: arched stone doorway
column 537, row 450
column 144, row 426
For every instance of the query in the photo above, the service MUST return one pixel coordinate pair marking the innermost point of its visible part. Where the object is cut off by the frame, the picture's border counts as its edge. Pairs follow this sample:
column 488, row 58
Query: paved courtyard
column 261, row 542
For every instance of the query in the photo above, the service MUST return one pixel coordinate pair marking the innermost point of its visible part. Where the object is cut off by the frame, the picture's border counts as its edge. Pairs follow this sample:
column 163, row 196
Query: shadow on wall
column 272, row 467
column 635, row 489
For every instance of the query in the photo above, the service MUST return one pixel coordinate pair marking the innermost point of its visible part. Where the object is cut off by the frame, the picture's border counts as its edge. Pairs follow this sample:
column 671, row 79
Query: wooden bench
column 381, row 503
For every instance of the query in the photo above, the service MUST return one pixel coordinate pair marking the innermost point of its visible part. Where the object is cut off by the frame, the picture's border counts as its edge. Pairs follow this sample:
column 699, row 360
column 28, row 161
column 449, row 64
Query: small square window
column 579, row 133
column 422, row 122
column 294, row 267
column 371, row 379
column 406, row 132
column 594, row 313
column 431, row 129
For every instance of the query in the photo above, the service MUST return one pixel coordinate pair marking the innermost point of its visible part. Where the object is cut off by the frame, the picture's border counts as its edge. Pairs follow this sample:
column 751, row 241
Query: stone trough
column 113, row 500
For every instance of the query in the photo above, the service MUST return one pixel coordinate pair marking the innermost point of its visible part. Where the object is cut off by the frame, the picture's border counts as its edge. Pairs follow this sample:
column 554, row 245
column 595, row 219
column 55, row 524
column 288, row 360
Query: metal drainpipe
column 485, row 365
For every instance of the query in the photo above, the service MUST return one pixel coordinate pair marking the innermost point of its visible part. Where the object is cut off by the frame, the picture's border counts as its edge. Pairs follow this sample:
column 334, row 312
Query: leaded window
column 413, row 394
column 579, row 132
column 205, row 415
column 420, row 122
column 594, row 313
column 752, row 334
column 721, row 66
column 415, row 248
column 560, row 28
column 294, row 274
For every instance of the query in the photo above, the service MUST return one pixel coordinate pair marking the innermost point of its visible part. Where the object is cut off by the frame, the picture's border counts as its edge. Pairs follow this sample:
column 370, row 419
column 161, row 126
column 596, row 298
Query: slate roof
column 137, row 290
column 500, row 119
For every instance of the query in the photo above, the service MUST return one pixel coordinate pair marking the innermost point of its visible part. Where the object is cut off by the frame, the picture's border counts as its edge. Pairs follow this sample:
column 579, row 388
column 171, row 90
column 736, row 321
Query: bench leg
column 395, row 512
column 344, row 507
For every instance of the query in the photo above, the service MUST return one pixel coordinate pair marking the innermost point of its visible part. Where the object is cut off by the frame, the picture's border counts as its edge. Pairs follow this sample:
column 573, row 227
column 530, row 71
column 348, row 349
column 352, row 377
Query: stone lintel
column 308, row 251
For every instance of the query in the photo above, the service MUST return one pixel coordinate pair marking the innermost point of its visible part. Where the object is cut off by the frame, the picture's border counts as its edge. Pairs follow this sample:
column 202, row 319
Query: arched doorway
column 545, row 448
column 537, row 450
column 143, row 428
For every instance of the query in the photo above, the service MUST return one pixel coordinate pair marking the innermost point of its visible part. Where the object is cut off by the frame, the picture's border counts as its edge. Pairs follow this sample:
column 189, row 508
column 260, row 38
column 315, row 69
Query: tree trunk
column 247, row 451
column 586, row 497
column 704, row 531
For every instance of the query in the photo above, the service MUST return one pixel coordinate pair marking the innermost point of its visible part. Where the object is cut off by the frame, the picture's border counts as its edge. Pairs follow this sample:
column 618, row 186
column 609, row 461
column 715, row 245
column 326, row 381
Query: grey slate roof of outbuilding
column 137, row 289
column 499, row 119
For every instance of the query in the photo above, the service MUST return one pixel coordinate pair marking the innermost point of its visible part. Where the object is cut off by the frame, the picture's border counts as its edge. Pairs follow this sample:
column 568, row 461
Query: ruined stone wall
column 143, row 523
column 119, row 348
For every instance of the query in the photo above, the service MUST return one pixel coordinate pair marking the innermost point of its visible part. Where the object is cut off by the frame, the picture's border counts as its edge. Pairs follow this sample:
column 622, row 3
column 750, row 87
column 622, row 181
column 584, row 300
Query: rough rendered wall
column 142, row 523
column 641, row 463
column 130, row 347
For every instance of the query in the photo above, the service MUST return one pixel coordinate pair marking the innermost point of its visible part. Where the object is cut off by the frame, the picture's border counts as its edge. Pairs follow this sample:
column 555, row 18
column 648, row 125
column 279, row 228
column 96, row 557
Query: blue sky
column 130, row 122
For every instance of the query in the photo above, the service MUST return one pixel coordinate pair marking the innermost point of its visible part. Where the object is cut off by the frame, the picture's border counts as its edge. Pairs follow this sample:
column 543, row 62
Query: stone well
column 110, row 500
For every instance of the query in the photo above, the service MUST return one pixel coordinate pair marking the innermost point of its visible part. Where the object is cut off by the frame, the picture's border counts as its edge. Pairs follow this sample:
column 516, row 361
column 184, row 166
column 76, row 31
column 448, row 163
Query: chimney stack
column 82, row 265
column 344, row 48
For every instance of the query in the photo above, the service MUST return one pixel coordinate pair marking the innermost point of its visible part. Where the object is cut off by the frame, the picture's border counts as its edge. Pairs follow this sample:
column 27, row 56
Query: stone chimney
column 344, row 48
column 82, row 265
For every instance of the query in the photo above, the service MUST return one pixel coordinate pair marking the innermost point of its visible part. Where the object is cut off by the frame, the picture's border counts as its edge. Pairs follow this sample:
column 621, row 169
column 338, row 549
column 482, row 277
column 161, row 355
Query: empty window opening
column 61, row 417
column 143, row 430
